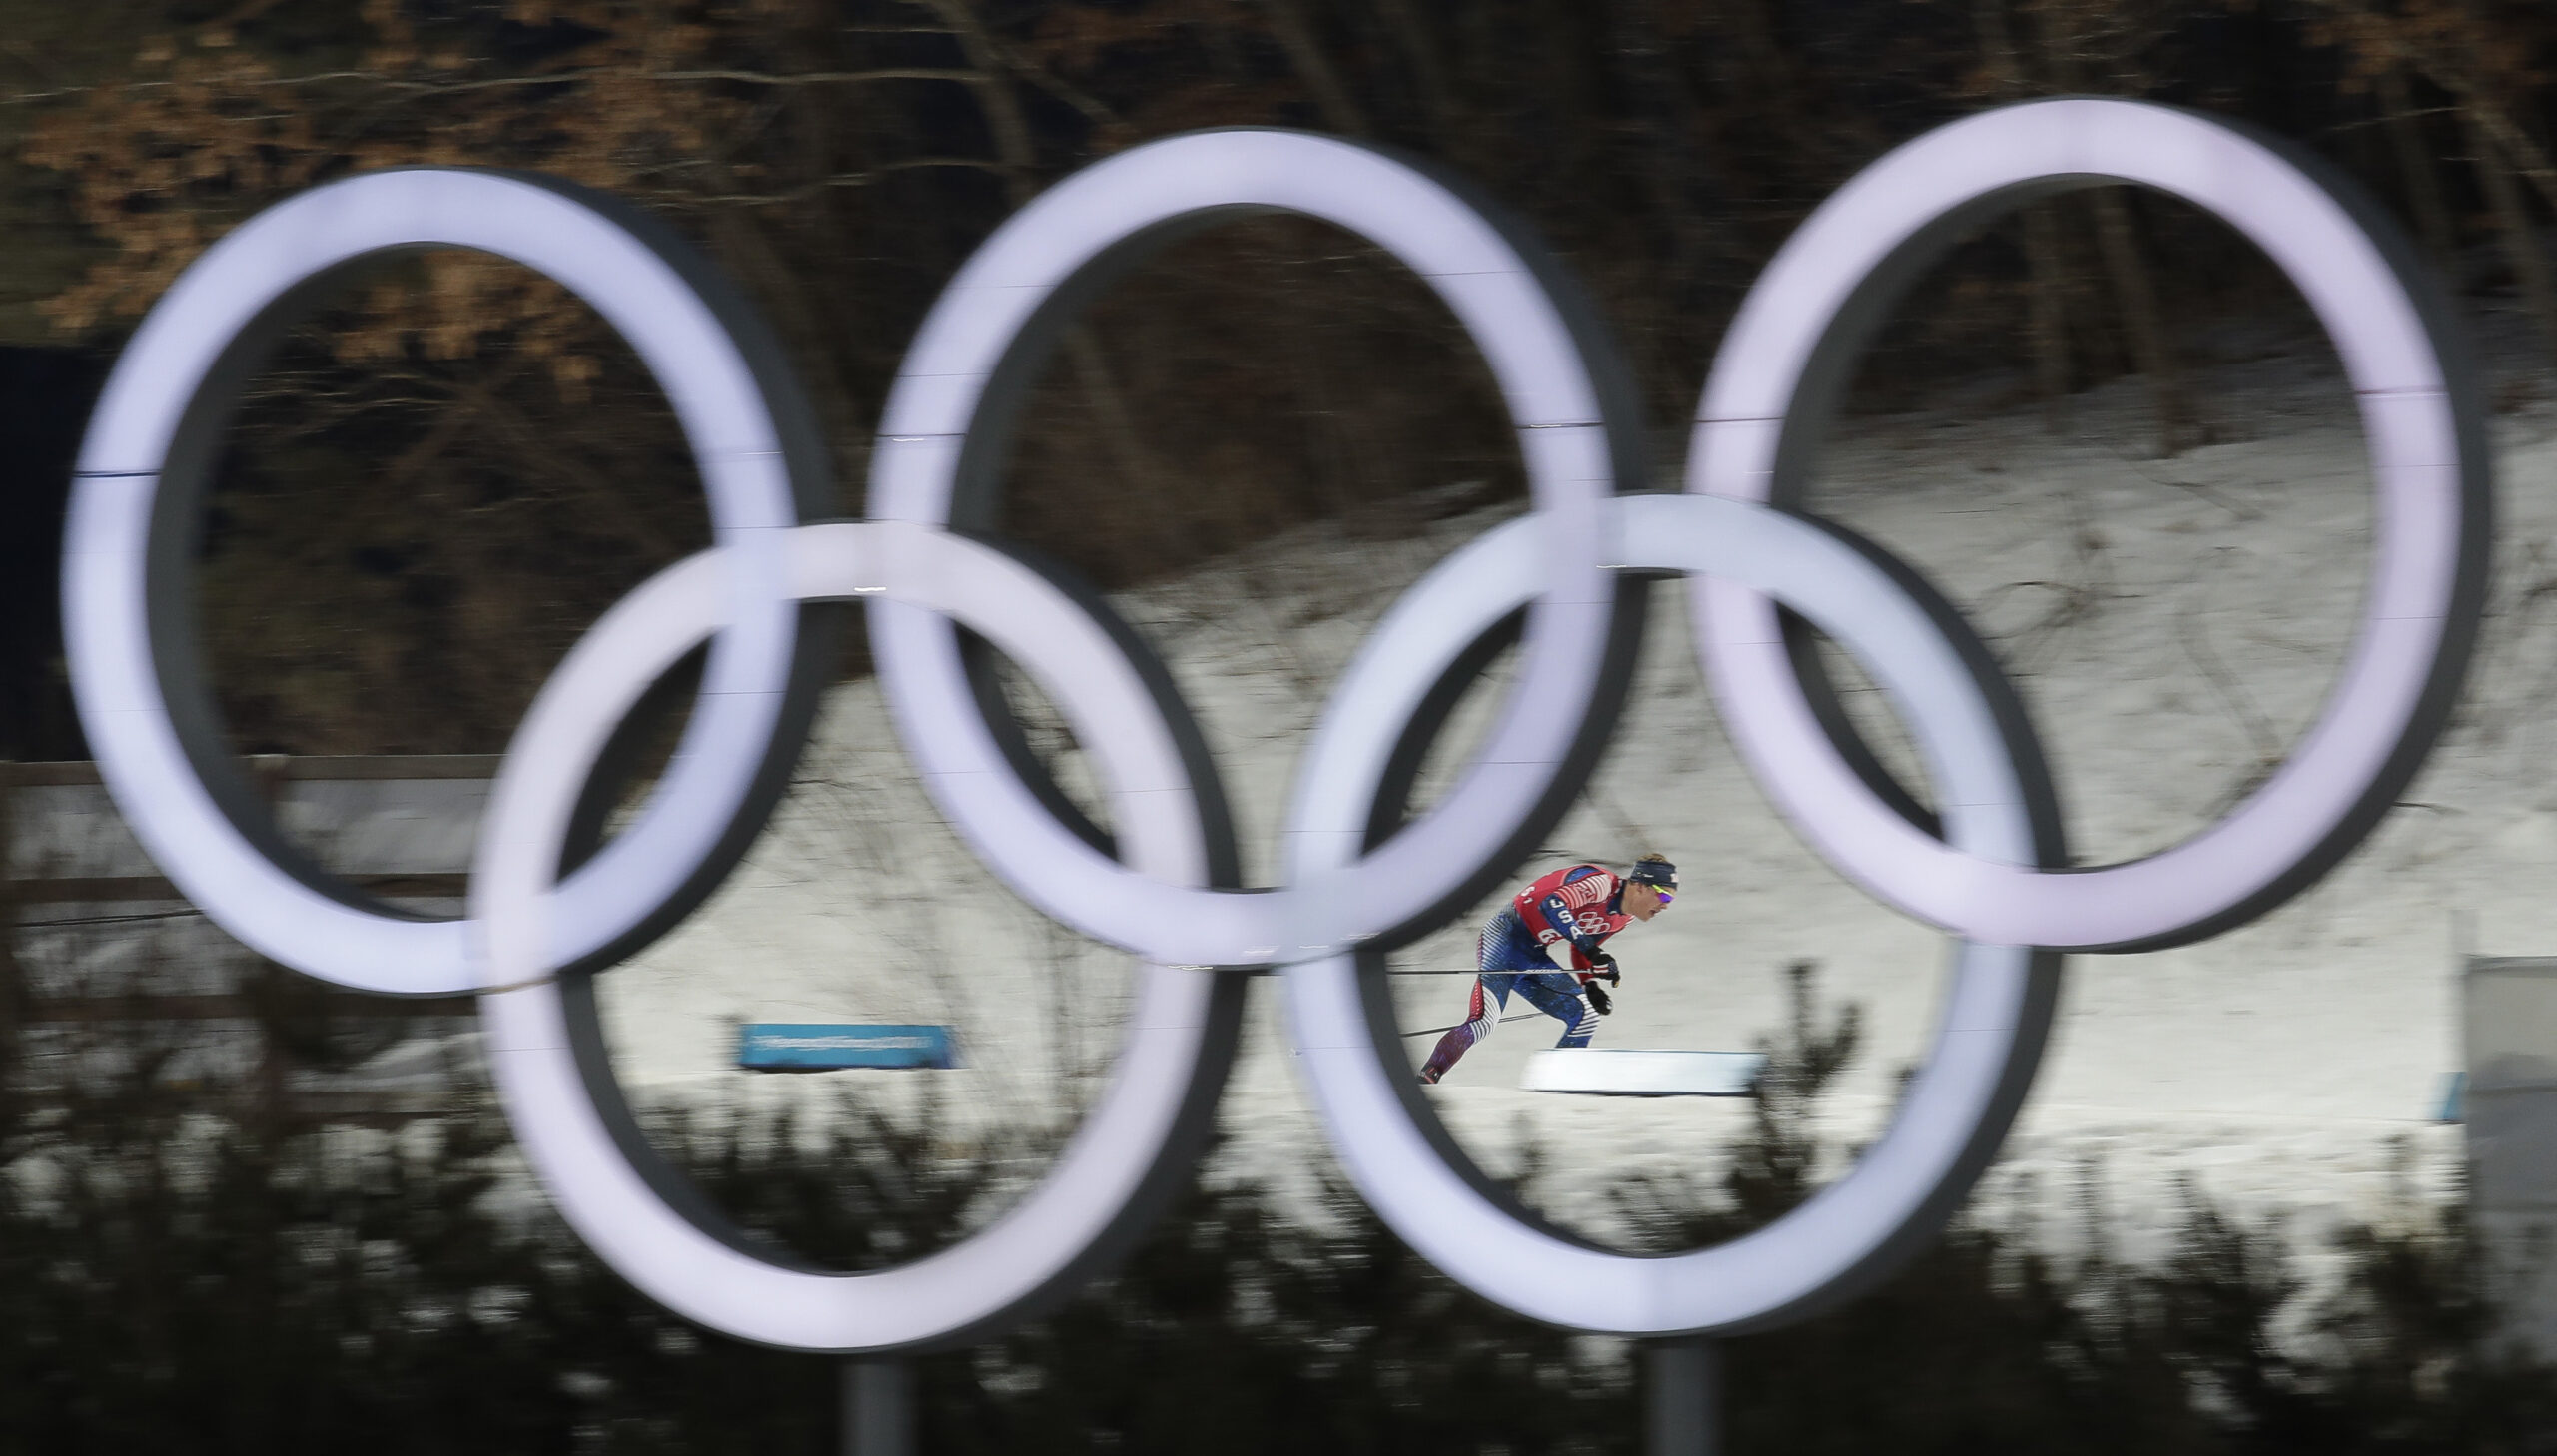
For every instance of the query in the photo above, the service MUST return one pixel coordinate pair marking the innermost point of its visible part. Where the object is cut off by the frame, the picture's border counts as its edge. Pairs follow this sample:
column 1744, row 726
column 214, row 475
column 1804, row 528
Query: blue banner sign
column 802, row 1046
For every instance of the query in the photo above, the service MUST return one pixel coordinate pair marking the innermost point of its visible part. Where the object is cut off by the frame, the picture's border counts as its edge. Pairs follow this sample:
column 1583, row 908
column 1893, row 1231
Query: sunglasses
column 1665, row 896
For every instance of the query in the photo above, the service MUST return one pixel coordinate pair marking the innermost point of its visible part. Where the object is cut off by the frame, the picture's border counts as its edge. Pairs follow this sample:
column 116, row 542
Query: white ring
column 2429, row 530
column 1133, row 1147
column 1015, row 292
column 1953, row 1113
column 124, row 564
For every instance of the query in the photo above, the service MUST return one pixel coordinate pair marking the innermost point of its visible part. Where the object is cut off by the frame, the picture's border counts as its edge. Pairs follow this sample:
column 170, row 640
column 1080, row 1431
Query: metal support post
column 878, row 1408
column 1685, row 1397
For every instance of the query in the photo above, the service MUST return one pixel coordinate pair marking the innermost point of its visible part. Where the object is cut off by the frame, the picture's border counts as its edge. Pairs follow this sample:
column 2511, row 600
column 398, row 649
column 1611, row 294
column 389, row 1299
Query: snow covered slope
column 2173, row 624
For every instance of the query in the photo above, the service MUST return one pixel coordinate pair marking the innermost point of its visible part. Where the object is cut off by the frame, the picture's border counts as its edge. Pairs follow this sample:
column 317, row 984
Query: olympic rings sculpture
column 1364, row 876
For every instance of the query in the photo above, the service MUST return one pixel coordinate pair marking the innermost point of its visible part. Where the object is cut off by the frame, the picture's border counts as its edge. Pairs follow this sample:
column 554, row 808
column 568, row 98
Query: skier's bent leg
column 1482, row 1013
column 1583, row 1030
column 1459, row 1040
column 1559, row 995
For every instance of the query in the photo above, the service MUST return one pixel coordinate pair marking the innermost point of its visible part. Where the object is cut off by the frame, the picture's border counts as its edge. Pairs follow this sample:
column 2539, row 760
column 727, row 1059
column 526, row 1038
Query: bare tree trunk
column 2047, row 282
column 1005, row 119
column 1296, row 32
column 1670, row 124
column 2459, row 70
column 1109, row 405
column 2521, row 152
column 2063, row 45
column 2512, row 223
column 1420, row 51
column 2415, row 170
column 1010, row 127
column 2135, row 295
column 2499, row 148
column 2048, row 318
column 1753, row 30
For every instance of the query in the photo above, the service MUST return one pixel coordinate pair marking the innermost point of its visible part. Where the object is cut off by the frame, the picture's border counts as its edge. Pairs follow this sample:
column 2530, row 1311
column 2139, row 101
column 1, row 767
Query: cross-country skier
column 1581, row 906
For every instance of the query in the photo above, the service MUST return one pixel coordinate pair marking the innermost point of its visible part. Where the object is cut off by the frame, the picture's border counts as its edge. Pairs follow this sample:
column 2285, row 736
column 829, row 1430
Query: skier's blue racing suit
column 1580, row 906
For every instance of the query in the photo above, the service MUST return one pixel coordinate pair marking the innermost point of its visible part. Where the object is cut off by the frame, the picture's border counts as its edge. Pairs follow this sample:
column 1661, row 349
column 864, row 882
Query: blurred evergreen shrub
column 179, row 1286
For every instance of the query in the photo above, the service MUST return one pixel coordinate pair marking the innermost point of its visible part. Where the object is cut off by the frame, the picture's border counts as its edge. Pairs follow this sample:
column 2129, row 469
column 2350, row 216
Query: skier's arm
column 1559, row 917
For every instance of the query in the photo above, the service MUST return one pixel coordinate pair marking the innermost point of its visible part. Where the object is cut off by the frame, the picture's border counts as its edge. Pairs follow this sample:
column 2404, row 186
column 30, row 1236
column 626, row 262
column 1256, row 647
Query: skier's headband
column 1658, row 874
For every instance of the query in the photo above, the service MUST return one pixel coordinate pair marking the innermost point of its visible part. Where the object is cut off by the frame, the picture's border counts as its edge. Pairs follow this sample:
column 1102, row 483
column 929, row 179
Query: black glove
column 1602, row 964
column 1598, row 998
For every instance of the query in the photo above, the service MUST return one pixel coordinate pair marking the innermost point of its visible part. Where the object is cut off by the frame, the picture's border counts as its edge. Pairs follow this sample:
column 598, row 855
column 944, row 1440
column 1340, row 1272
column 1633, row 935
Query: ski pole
column 1505, row 1021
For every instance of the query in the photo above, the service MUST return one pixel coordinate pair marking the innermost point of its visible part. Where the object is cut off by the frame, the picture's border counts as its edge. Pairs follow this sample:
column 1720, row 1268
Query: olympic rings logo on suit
column 1362, row 875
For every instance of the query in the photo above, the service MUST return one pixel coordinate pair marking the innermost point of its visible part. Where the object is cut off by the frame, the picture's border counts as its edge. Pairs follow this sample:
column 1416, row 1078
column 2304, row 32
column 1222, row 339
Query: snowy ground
column 2173, row 624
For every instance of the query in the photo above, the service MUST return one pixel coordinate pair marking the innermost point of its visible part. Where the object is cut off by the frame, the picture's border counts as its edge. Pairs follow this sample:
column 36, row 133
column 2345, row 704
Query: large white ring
column 936, row 449
column 1765, row 403
column 1989, row 1036
column 1132, row 1150
column 125, row 578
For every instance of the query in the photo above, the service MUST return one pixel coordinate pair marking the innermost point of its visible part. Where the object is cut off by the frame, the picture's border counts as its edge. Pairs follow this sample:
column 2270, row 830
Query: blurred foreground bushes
column 175, row 1285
